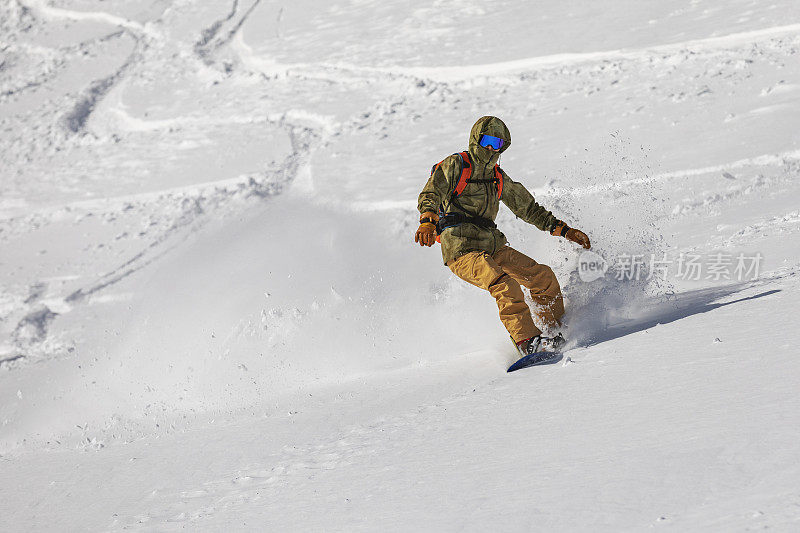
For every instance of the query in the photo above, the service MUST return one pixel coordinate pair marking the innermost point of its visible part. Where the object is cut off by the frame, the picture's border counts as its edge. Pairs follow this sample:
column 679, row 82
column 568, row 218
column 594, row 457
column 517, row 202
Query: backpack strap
column 464, row 162
column 466, row 174
column 499, row 177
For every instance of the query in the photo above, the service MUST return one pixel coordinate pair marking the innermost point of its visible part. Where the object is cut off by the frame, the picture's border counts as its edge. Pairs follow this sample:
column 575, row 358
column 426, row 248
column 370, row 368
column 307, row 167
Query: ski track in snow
column 758, row 161
column 43, row 8
column 195, row 202
column 711, row 44
column 97, row 90
column 789, row 222
column 450, row 75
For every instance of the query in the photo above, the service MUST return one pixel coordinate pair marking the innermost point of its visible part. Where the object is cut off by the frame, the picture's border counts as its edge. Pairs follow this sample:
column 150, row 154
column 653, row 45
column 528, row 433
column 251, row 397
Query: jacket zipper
column 486, row 187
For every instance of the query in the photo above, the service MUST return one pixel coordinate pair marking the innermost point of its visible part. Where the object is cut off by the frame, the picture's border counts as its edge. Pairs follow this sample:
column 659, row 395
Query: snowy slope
column 212, row 315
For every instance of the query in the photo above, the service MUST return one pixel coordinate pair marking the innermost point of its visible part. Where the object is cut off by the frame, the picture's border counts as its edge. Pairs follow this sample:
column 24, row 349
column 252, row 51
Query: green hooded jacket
column 480, row 199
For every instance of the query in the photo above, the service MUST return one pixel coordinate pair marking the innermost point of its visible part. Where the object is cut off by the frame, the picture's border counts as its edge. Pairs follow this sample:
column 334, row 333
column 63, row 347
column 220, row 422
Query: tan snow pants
column 503, row 275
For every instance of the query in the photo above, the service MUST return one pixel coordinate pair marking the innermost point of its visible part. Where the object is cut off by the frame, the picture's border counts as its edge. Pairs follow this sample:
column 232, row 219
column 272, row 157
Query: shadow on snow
column 678, row 306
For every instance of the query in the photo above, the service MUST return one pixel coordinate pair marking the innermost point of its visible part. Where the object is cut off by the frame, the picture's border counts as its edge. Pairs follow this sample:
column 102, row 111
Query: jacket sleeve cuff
column 559, row 229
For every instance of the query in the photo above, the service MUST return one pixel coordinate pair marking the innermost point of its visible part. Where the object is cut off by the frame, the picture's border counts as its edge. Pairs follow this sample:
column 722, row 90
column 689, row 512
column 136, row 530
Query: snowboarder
column 459, row 204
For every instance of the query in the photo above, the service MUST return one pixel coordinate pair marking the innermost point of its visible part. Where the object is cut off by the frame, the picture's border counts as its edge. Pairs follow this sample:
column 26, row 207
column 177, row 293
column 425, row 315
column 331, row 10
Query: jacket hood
column 495, row 127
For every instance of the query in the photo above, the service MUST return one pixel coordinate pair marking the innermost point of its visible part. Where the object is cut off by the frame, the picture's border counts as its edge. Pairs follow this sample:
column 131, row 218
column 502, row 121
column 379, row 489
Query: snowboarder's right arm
column 439, row 186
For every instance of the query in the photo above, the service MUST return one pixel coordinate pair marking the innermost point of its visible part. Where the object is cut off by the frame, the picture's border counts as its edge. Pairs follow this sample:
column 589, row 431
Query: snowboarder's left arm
column 522, row 204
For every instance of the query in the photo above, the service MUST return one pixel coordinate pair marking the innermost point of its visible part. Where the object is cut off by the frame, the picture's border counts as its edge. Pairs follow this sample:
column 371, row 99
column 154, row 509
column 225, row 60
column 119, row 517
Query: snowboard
column 538, row 358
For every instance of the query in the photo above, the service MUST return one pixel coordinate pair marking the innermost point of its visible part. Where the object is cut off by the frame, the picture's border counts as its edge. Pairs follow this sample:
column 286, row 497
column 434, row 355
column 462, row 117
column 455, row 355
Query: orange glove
column 426, row 234
column 571, row 234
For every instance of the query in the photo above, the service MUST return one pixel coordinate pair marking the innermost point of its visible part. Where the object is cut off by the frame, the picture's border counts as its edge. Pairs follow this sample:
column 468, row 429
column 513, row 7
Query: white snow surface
column 213, row 315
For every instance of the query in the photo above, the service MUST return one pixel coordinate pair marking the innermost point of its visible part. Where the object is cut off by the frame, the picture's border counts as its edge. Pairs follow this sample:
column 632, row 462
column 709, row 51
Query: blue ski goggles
column 487, row 140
